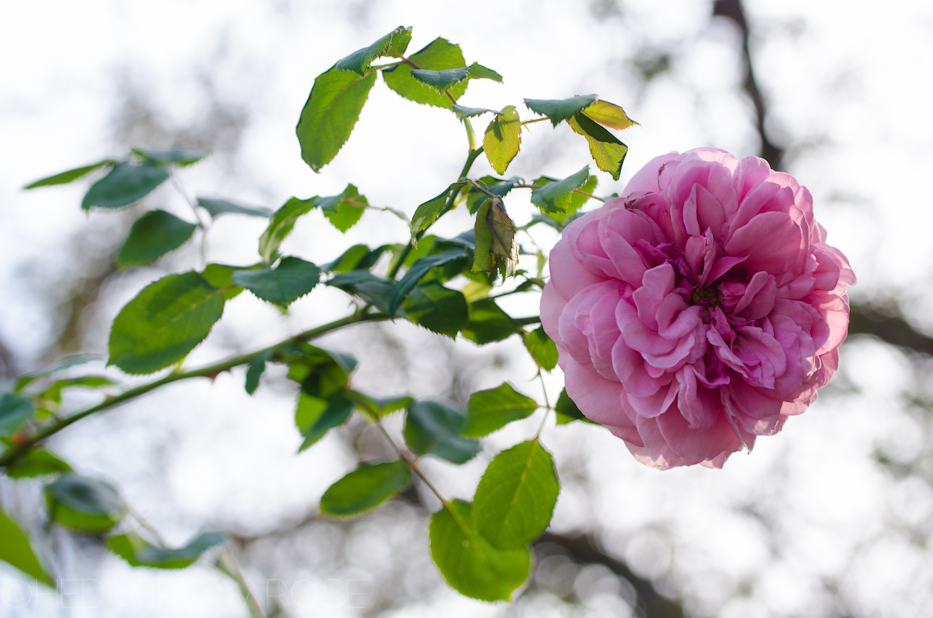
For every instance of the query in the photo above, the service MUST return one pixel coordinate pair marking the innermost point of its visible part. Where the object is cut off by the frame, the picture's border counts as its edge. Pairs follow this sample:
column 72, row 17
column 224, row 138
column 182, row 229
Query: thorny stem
column 209, row 371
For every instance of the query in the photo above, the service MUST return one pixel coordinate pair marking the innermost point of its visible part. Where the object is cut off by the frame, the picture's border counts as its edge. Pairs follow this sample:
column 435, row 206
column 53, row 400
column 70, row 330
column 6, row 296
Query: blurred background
column 833, row 517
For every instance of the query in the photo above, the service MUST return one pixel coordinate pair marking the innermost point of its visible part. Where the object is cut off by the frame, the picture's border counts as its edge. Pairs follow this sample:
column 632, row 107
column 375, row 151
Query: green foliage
column 567, row 411
column 468, row 112
column 165, row 321
column 367, row 286
column 437, row 308
column 393, row 44
column 607, row 151
column 63, row 178
column 216, row 207
column 438, row 55
column 418, row 271
column 280, row 226
column 491, row 184
column 140, row 553
column 432, row 428
column 541, row 348
column 66, row 363
column 37, row 462
column 428, row 212
column 254, row 371
column 152, row 236
column 468, row 562
column 221, row 277
column 608, row 114
column 176, row 156
column 560, row 109
column 503, row 138
column 331, row 112
column 559, row 219
column 441, row 81
column 555, row 196
column 344, row 210
column 515, row 498
column 365, row 488
column 282, row 285
column 14, row 411
column 84, row 504
column 478, row 71
column 16, row 550
column 496, row 247
column 488, row 323
column 495, row 408
column 316, row 416
column 125, row 184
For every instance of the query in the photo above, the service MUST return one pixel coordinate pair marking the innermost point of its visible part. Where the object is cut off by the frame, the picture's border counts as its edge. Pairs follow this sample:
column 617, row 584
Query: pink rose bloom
column 700, row 311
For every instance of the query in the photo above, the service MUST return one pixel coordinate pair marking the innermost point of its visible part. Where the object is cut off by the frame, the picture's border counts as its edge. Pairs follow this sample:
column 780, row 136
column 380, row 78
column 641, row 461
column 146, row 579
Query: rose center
column 707, row 297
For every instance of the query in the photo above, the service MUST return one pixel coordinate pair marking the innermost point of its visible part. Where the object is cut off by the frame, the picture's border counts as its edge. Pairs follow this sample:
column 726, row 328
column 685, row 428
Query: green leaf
column 255, row 370
column 83, row 503
column 344, row 210
column 282, row 285
column 216, row 207
column 347, row 260
column 54, row 391
column 177, row 156
column 17, row 551
column 495, row 408
column 559, row 219
column 567, row 410
column 478, row 71
column 441, row 80
column 560, row 109
column 503, row 138
column 393, row 44
column 607, row 151
column 365, row 488
column 468, row 562
column 467, row 112
column 542, row 349
column 152, row 236
column 438, row 55
column 498, row 186
column 14, row 411
column 362, row 283
column 437, row 308
column 515, row 498
column 329, row 115
column 433, row 428
column 28, row 378
column 428, row 212
column 63, row 178
column 555, row 196
column 165, row 321
column 316, row 416
column 380, row 406
column 608, row 114
column 417, row 272
column 221, row 276
column 488, row 323
column 38, row 462
column 280, row 226
column 496, row 247
column 124, row 184
column 140, row 553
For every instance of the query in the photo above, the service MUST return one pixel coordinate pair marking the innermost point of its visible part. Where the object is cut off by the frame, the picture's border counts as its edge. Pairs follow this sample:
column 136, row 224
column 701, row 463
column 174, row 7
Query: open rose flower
column 700, row 311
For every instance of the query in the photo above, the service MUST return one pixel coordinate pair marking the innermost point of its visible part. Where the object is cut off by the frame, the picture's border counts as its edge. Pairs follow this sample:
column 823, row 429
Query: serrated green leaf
column 438, row 55
column 393, row 44
column 380, row 406
column 316, row 416
column 63, row 178
column 541, row 348
column 221, row 277
column 329, row 115
column 495, row 408
column 468, row 562
column 254, row 371
column 607, row 151
column 441, row 80
column 369, row 287
column 515, row 498
column 437, row 308
column 165, row 321
column 497, row 186
column 365, row 488
column 478, row 71
column 280, row 226
column 488, row 323
column 347, row 260
column 16, row 550
column 466, row 112
column 556, row 196
column 139, row 553
column 152, row 236
column 125, row 184
column 83, row 503
column 417, row 272
column 36, row 462
column 282, row 285
column 560, row 109
column 432, row 428
column 608, row 114
column 216, row 207
column 557, row 219
column 496, row 247
column 428, row 212
column 165, row 156
column 14, row 411
column 344, row 210
column 503, row 139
